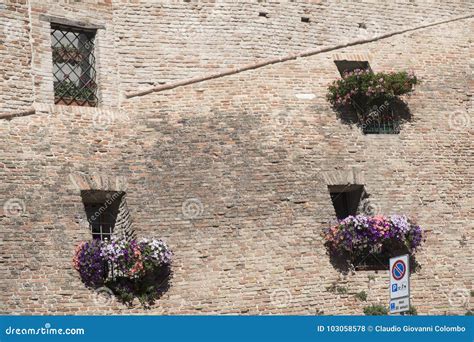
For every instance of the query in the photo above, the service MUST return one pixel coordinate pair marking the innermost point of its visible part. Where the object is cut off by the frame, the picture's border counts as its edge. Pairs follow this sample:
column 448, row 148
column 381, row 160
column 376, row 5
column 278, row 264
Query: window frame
column 102, row 210
column 74, row 65
column 340, row 195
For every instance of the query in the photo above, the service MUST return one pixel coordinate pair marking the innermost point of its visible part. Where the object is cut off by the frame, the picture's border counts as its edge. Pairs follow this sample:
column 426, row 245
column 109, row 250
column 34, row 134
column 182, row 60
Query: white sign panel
column 400, row 305
column 399, row 277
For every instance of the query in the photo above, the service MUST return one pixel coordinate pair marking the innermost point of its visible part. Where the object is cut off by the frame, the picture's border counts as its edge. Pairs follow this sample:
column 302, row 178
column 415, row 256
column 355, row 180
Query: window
column 382, row 125
column 381, row 120
column 101, row 208
column 73, row 66
column 347, row 66
column 345, row 199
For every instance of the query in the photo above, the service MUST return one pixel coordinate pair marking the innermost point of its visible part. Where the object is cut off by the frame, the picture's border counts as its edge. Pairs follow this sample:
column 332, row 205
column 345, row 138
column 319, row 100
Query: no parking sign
column 399, row 277
column 399, row 283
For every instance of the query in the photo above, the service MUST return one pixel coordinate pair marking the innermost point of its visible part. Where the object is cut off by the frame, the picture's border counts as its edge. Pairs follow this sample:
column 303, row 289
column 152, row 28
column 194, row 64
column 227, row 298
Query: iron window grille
column 381, row 120
column 101, row 220
column 73, row 66
column 102, row 210
column 382, row 125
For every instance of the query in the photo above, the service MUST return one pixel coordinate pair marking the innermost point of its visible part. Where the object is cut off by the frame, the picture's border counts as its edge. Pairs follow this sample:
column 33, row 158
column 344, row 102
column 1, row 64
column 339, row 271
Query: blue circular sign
column 399, row 269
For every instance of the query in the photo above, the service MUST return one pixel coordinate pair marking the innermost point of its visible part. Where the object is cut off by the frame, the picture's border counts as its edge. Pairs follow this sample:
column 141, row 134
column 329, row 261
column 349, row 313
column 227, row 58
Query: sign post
column 400, row 284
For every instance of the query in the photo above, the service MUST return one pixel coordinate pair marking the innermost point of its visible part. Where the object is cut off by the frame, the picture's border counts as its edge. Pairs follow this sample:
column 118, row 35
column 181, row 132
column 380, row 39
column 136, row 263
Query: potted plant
column 70, row 93
column 369, row 94
column 130, row 269
column 67, row 54
column 356, row 237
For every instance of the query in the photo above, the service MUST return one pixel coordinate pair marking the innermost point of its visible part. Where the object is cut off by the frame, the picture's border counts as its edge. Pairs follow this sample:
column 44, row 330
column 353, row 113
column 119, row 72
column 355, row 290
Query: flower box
column 130, row 269
column 69, row 93
column 67, row 101
column 361, row 238
column 371, row 96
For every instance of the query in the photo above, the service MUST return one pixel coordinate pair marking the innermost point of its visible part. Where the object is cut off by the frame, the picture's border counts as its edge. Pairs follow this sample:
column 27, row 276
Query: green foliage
column 334, row 288
column 362, row 89
column 412, row 311
column 69, row 90
column 375, row 310
column 146, row 289
column 67, row 54
column 341, row 290
column 469, row 313
column 362, row 296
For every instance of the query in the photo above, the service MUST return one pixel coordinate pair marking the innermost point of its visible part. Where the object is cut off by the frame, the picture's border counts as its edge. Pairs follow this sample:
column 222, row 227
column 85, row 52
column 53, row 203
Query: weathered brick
column 256, row 149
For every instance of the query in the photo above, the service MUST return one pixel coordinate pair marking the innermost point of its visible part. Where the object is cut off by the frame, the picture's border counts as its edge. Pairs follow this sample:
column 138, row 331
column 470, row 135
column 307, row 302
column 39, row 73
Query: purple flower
column 358, row 234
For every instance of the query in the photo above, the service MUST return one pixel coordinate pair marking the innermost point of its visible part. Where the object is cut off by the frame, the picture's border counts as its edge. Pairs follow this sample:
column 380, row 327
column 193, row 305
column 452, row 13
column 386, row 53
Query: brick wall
column 251, row 153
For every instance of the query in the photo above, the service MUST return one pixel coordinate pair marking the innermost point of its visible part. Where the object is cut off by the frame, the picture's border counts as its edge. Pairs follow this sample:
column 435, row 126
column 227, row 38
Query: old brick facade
column 233, row 171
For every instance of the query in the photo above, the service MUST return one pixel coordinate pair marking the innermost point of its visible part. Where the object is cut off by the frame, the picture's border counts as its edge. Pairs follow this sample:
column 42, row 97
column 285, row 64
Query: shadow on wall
column 397, row 109
column 372, row 261
column 148, row 289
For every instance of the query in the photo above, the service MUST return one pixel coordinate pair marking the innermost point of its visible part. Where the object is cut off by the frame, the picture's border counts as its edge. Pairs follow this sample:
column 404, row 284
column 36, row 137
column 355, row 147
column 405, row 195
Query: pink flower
column 77, row 251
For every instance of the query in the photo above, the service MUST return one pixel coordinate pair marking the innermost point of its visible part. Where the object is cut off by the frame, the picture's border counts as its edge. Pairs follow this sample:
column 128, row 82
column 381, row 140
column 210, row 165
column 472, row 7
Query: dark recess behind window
column 101, row 209
column 73, row 66
column 348, row 66
column 346, row 199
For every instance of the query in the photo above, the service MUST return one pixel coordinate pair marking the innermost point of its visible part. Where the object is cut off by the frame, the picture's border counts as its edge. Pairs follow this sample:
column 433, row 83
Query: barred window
column 382, row 120
column 102, row 209
column 73, row 66
column 382, row 125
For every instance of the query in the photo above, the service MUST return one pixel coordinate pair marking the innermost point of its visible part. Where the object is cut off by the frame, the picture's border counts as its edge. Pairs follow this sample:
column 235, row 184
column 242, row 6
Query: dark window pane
column 339, row 201
column 345, row 199
column 73, row 66
column 101, row 212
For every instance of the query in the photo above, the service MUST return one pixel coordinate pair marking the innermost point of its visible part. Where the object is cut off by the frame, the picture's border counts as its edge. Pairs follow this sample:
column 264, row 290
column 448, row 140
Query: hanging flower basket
column 130, row 269
column 356, row 237
column 370, row 95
